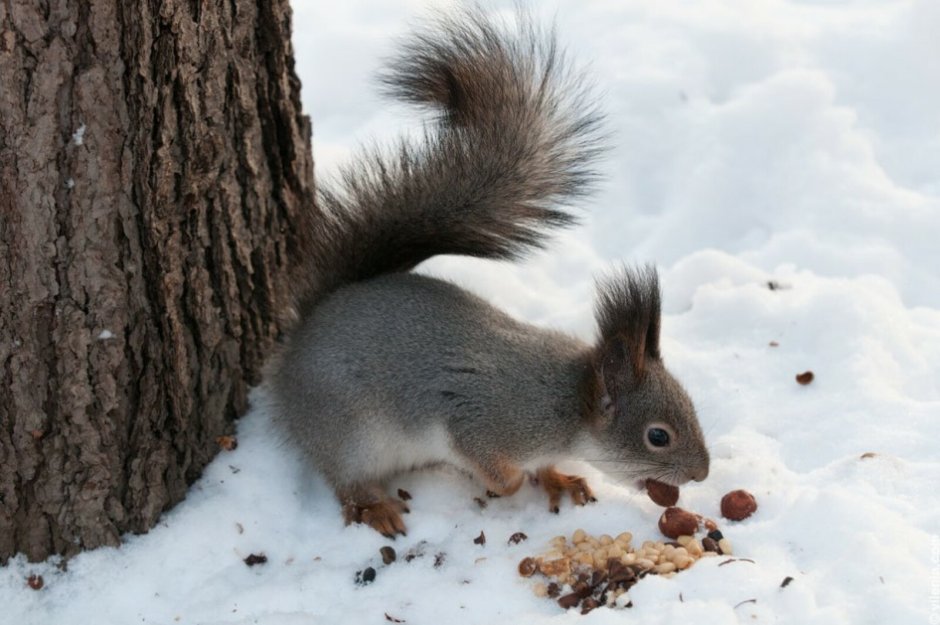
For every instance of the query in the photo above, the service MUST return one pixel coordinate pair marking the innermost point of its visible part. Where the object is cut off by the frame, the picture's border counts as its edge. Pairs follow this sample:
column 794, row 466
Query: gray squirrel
column 387, row 371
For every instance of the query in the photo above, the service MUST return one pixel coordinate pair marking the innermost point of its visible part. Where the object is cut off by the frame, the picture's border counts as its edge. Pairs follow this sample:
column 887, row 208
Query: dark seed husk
column 569, row 601
column 589, row 604
column 582, row 589
column 517, row 538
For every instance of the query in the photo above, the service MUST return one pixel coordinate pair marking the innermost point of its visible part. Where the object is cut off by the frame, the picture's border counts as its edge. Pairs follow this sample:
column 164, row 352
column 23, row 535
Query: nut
column 528, row 567
column 738, row 505
column 388, row 554
column 805, row 378
column 644, row 563
column 682, row 562
column 556, row 568
column 675, row 522
column 584, row 558
column 665, row 567
column 661, row 493
column 35, row 582
column 725, row 545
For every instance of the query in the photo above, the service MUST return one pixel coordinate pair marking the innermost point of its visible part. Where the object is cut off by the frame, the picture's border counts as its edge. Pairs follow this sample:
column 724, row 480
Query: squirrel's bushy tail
column 516, row 138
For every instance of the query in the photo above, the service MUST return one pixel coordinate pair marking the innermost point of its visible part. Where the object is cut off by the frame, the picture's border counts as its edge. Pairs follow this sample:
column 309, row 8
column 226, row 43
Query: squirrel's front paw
column 556, row 484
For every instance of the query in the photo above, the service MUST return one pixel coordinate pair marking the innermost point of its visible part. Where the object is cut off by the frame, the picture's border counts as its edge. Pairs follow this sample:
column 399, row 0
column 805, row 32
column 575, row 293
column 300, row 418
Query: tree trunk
column 154, row 163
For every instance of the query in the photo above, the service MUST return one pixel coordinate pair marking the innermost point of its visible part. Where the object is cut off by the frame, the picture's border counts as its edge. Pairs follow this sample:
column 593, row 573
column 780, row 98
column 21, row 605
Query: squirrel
column 387, row 370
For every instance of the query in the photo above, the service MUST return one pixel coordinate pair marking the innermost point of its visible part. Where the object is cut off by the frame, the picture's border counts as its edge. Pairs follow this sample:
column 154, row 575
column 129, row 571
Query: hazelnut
column 661, row 493
column 528, row 567
column 675, row 522
column 738, row 505
column 805, row 378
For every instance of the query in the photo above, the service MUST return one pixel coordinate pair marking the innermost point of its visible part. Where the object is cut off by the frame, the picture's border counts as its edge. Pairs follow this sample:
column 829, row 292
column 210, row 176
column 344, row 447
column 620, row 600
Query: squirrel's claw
column 556, row 484
column 383, row 516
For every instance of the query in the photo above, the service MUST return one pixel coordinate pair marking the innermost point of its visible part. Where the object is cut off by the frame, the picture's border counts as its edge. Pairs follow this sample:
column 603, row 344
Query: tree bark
column 154, row 162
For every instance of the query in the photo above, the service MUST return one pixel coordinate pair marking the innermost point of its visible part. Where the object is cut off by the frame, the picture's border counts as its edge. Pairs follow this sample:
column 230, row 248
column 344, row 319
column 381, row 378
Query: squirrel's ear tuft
column 628, row 311
column 620, row 366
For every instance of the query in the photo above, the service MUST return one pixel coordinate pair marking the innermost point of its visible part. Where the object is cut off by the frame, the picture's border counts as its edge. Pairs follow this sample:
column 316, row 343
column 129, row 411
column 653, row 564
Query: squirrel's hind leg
column 368, row 503
column 556, row 484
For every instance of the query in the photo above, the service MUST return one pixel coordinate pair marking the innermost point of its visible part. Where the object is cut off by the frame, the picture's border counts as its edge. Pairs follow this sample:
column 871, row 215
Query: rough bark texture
column 153, row 163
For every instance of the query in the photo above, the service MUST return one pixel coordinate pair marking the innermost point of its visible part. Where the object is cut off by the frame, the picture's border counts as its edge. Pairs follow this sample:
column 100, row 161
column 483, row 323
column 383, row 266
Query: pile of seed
column 593, row 571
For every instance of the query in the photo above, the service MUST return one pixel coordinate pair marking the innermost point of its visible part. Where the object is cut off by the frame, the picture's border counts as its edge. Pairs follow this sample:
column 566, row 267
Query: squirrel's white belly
column 392, row 449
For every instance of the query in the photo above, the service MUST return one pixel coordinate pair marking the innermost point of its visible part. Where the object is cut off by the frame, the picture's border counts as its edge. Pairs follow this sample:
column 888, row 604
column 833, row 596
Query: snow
column 795, row 142
column 78, row 137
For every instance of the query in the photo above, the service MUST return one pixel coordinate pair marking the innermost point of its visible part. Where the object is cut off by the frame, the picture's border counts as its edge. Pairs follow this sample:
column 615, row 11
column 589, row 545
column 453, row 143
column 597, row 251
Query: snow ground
column 794, row 141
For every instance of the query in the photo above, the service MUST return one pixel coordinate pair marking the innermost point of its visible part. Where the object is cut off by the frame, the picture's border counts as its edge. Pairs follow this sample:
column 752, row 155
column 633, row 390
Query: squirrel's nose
column 699, row 474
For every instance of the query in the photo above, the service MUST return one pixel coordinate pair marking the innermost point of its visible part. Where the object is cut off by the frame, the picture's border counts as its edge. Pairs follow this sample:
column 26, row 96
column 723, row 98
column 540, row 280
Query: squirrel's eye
column 657, row 437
